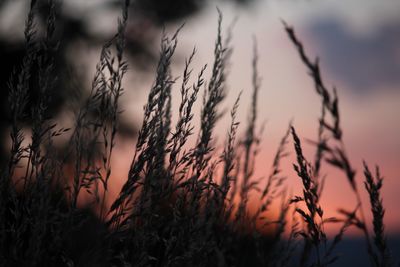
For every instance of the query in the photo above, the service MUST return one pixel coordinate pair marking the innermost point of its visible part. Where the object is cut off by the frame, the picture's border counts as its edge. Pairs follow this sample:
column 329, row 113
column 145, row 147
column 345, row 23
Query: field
column 180, row 204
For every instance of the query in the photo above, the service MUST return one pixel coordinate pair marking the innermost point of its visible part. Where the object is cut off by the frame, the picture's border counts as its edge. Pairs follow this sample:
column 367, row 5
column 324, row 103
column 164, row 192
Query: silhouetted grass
column 180, row 205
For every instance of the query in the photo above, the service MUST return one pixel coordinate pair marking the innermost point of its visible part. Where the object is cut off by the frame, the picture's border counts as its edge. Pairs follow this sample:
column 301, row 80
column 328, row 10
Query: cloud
column 363, row 62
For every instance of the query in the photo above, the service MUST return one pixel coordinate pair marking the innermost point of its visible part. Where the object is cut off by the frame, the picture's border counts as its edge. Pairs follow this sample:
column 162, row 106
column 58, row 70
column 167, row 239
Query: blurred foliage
column 146, row 21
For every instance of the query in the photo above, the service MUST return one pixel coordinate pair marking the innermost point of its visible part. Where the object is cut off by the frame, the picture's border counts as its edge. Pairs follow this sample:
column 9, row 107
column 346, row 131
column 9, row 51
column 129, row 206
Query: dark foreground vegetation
column 180, row 205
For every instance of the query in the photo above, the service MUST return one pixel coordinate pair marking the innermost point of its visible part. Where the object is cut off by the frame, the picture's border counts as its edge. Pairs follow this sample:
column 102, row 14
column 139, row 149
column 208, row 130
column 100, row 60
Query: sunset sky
column 358, row 43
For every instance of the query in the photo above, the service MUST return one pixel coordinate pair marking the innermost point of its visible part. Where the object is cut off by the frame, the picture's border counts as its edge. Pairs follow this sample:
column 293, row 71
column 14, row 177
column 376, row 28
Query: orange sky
column 369, row 119
column 352, row 29
column 346, row 35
